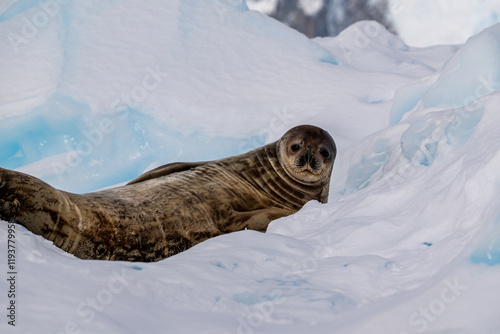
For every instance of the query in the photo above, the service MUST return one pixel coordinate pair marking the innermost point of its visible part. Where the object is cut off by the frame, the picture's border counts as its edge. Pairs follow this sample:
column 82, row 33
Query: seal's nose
column 308, row 154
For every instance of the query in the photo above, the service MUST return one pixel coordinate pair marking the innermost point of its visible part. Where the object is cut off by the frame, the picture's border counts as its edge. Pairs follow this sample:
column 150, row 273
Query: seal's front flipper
column 257, row 220
column 167, row 170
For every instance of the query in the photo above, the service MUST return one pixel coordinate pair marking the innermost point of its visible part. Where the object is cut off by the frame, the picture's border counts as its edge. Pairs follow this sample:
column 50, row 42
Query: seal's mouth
column 305, row 173
column 310, row 166
column 308, row 171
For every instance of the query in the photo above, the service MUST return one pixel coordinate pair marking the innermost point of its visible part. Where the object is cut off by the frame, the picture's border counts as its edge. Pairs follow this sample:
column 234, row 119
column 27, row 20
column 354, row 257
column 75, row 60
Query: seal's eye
column 295, row 147
column 324, row 153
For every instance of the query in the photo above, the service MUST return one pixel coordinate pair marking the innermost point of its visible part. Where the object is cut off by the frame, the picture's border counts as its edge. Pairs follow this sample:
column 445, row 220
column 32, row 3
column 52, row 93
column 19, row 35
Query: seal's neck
column 270, row 176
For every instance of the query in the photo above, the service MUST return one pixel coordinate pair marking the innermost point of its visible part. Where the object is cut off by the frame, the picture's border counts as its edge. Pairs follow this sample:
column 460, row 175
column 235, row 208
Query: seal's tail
column 29, row 201
column 91, row 226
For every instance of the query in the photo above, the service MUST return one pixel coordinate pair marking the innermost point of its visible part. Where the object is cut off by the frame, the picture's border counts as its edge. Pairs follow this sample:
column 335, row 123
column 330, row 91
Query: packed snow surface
column 94, row 93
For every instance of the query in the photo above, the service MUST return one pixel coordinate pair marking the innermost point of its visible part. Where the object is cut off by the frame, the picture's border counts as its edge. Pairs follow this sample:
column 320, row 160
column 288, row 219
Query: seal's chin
column 308, row 173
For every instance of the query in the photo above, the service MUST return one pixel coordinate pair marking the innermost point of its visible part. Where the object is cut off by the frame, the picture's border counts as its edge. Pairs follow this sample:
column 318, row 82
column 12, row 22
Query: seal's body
column 171, row 208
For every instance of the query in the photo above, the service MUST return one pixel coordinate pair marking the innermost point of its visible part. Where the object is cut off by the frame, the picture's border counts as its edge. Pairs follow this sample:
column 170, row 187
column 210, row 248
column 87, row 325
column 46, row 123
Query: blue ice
column 472, row 73
column 489, row 250
column 16, row 7
column 412, row 139
column 90, row 158
column 405, row 99
column 462, row 126
column 247, row 298
column 360, row 173
column 329, row 60
column 41, row 133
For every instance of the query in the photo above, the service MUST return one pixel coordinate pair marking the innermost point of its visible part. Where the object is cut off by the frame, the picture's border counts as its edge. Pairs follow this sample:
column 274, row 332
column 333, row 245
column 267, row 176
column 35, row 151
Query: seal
column 176, row 206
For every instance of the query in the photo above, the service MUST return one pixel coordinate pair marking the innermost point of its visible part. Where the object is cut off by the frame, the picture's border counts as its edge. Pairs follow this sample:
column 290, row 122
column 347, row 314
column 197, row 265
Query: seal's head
column 307, row 154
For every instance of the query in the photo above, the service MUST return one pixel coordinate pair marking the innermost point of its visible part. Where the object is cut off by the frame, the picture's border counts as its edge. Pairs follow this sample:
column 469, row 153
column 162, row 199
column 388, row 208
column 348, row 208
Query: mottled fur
column 173, row 207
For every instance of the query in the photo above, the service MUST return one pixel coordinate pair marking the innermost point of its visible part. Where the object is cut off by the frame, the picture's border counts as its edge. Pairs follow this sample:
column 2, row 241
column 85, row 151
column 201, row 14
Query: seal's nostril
column 308, row 155
column 309, row 151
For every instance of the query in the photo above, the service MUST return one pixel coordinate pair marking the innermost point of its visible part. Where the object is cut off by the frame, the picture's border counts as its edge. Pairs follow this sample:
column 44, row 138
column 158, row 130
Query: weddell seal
column 173, row 207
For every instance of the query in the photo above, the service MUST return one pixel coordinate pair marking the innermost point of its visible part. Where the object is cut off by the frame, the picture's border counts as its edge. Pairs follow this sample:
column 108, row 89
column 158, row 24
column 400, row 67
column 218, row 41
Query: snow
column 408, row 243
column 311, row 7
column 267, row 7
column 430, row 22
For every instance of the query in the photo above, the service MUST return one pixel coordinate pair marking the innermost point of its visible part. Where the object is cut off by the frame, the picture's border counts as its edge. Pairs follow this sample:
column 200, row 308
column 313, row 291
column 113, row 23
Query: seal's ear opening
column 167, row 170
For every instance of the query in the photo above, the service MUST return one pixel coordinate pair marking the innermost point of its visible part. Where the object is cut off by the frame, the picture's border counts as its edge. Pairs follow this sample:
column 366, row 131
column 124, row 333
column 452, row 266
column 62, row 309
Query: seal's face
column 307, row 154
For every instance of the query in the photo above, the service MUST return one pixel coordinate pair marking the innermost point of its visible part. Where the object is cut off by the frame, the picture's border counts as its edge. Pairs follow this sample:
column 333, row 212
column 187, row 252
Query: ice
column 103, row 92
column 412, row 142
column 472, row 73
column 489, row 251
column 406, row 98
column 70, row 140
column 446, row 22
column 361, row 172
column 462, row 126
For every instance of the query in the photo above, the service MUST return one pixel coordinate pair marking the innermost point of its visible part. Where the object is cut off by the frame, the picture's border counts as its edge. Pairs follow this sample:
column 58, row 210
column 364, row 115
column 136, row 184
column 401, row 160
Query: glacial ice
column 103, row 92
